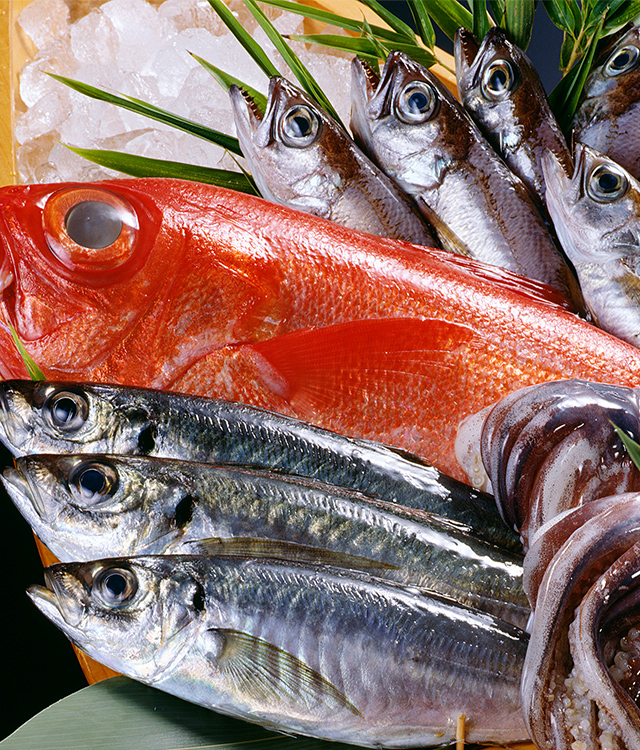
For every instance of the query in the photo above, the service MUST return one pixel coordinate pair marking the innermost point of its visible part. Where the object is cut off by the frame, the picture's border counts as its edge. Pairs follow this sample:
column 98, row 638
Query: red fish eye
column 90, row 228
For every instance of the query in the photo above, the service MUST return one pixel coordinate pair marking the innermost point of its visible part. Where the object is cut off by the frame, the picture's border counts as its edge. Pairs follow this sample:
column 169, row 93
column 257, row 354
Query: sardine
column 417, row 132
column 306, row 649
column 608, row 114
column 301, row 157
column 45, row 417
column 597, row 216
column 87, row 507
column 502, row 92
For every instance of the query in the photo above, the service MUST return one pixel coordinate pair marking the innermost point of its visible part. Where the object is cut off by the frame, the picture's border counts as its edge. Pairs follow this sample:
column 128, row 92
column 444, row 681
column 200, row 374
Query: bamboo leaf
column 633, row 448
column 450, row 15
column 226, row 80
column 35, row 373
column 390, row 18
column 246, row 40
column 519, row 21
column 481, row 23
column 306, row 80
column 365, row 47
column 422, row 22
column 155, row 113
column 497, row 9
column 623, row 13
column 561, row 15
column 142, row 166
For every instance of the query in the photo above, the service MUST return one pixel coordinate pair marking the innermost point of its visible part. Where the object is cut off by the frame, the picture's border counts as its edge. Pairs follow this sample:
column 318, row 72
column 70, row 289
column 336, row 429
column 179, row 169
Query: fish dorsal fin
column 258, row 671
column 283, row 550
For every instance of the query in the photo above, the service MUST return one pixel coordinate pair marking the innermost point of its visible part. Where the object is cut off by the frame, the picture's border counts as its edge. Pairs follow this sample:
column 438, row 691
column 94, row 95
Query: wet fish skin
column 597, row 215
column 608, row 114
column 138, row 421
column 301, row 157
column 438, row 155
column 502, row 92
column 302, row 649
column 84, row 507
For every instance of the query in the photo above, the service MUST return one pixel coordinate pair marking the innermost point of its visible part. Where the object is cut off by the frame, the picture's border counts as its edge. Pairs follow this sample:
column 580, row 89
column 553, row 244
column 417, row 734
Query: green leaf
column 120, row 714
column 390, row 18
column 306, row 80
column 560, row 14
column 625, row 12
column 449, row 15
column 246, row 40
column 35, row 373
column 142, row 166
column 422, row 22
column 519, row 21
column 226, row 80
column 155, row 113
column 365, row 47
column 481, row 23
column 633, row 448
column 497, row 9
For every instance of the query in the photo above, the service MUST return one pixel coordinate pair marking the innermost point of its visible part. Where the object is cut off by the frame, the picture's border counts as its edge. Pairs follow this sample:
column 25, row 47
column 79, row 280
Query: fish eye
column 90, row 229
column 93, row 482
column 67, row 411
column 114, row 586
column 299, row 126
column 607, row 183
column 622, row 60
column 498, row 80
column 416, row 103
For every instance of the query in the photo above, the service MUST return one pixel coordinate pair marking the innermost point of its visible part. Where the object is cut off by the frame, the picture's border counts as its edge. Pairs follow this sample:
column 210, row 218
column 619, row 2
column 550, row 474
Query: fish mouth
column 60, row 600
column 373, row 94
column 465, row 51
column 24, row 494
column 366, row 77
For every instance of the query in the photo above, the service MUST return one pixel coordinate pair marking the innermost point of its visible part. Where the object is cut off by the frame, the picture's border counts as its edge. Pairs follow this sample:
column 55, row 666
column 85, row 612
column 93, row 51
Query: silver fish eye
column 498, row 80
column 114, row 586
column 93, row 224
column 93, row 482
column 606, row 183
column 299, row 126
column 622, row 60
column 67, row 411
column 416, row 103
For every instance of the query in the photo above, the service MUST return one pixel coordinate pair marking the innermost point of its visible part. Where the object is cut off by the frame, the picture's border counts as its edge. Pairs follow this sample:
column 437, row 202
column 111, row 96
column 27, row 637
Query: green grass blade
column 481, row 23
column 423, row 22
column 142, row 166
column 390, row 18
column 246, row 40
column 519, row 21
column 155, row 113
column 35, row 373
column 306, row 80
column 449, row 15
column 366, row 47
column 633, row 449
column 226, row 81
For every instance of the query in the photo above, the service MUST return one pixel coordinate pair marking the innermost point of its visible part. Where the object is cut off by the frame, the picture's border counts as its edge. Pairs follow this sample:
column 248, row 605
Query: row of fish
column 486, row 173
column 253, row 577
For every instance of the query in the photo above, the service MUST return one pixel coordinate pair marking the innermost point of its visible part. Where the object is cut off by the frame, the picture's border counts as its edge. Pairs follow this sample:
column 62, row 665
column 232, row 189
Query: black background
column 39, row 666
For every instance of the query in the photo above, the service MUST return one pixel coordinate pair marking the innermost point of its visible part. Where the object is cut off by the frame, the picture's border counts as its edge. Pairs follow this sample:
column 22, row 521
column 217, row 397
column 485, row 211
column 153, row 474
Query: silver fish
column 608, row 114
column 416, row 132
column 301, row 649
column 503, row 93
column 301, row 157
column 596, row 213
column 47, row 417
column 86, row 507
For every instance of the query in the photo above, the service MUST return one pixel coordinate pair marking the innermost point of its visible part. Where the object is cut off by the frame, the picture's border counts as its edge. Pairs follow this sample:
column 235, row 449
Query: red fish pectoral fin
column 398, row 380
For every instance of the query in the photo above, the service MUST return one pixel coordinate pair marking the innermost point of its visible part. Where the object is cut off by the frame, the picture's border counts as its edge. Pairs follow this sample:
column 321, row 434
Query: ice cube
column 45, row 21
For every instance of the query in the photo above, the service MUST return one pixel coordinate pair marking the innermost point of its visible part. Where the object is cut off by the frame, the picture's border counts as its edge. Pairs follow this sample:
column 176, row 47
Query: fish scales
column 381, row 690
column 141, row 510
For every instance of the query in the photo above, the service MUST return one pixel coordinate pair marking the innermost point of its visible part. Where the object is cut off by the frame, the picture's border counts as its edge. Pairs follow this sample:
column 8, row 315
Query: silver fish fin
column 283, row 550
column 448, row 239
column 256, row 669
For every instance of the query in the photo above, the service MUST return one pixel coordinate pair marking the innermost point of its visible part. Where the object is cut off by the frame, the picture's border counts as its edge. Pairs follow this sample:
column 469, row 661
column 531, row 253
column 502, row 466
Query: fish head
column 135, row 615
column 596, row 211
column 137, row 277
column 496, row 81
column 404, row 121
column 297, row 152
column 617, row 67
column 85, row 507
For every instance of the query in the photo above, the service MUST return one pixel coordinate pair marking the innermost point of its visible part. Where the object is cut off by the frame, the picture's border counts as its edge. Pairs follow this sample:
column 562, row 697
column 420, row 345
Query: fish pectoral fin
column 284, row 550
column 447, row 238
column 259, row 671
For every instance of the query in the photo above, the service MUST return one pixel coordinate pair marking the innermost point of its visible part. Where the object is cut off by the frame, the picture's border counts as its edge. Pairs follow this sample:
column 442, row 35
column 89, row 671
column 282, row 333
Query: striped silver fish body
column 301, row 157
column 49, row 417
column 306, row 650
column 608, row 115
column 416, row 132
column 87, row 507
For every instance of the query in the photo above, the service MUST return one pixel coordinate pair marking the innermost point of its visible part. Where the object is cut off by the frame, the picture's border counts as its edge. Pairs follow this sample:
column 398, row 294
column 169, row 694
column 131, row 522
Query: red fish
column 190, row 287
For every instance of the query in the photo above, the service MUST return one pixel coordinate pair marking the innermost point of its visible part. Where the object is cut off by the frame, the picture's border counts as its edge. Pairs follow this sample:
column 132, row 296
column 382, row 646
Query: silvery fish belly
column 597, row 216
column 47, row 417
column 608, row 115
column 85, row 507
column 502, row 92
column 416, row 132
column 301, row 157
column 308, row 650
